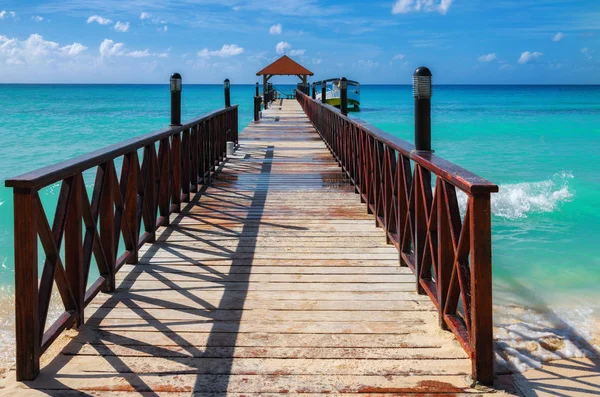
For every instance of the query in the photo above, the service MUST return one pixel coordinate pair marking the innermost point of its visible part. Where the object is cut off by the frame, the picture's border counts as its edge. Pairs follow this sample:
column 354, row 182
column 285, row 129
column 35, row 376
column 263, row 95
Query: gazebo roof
column 285, row 66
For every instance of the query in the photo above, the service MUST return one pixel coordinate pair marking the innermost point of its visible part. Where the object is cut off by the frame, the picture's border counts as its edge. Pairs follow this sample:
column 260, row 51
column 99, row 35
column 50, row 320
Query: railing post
column 344, row 96
column 257, row 101
column 257, row 92
column 323, row 92
column 175, row 99
column 314, row 90
column 481, row 335
column 422, row 96
column 74, row 247
column 26, row 285
column 227, row 88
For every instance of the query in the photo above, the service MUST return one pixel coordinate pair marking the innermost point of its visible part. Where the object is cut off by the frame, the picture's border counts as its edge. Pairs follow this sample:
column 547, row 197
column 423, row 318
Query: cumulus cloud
column 228, row 50
column 37, row 18
column 282, row 47
column 487, row 57
column 144, row 15
column 73, row 49
column 275, row 29
column 99, row 19
column 528, row 56
column 121, row 26
column 35, row 50
column 109, row 48
column 406, row 6
column 558, row 37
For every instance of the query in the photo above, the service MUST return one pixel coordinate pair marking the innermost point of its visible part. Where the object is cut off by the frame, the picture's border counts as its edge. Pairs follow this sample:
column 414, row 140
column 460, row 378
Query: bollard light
column 422, row 83
column 422, row 93
column 176, row 87
column 227, row 85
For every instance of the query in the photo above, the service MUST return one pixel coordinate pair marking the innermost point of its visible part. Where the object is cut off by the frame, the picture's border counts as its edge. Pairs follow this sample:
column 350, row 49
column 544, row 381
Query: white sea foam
column 515, row 201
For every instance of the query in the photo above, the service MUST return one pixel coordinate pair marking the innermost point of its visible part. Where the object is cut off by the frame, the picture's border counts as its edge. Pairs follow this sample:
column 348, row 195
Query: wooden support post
column 131, row 205
column 74, row 248
column 107, row 226
column 481, row 335
column 26, row 285
column 265, row 92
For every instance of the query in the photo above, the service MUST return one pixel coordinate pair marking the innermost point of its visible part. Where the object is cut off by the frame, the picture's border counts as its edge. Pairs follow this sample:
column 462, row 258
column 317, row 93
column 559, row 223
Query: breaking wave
column 516, row 201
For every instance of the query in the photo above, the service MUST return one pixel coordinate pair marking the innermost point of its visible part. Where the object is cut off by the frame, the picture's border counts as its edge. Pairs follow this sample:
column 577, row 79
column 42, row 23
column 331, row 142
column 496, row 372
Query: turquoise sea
column 541, row 144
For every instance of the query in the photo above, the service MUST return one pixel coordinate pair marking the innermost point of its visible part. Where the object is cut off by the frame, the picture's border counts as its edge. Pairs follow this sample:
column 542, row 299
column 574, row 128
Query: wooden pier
column 272, row 279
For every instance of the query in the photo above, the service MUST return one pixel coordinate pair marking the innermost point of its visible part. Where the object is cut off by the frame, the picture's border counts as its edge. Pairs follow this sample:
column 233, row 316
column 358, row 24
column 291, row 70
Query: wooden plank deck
column 274, row 280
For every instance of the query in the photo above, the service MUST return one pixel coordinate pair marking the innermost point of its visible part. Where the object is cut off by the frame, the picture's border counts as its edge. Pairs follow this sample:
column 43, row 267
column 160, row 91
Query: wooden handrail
column 130, row 207
column 449, row 252
column 59, row 171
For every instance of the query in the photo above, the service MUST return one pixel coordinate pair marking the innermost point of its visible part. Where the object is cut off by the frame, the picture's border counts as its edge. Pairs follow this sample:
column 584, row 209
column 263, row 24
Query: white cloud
column 73, row 49
column 139, row 54
column 99, row 19
column 317, row 61
column 275, row 29
column 528, row 56
column 109, row 48
column 558, row 37
column 506, row 66
column 228, row 50
column 297, row 52
column 282, row 47
column 144, row 15
column 398, row 57
column 163, row 29
column 37, row 18
column 487, row 57
column 35, row 50
column 121, row 26
column 7, row 14
column 406, row 6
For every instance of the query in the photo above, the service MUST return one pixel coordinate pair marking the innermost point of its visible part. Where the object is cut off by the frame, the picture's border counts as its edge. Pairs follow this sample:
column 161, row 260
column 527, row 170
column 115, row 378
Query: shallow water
column 540, row 144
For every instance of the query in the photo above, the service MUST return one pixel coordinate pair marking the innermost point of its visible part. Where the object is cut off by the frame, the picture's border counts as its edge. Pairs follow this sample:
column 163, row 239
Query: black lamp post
column 227, row 86
column 422, row 93
column 176, row 87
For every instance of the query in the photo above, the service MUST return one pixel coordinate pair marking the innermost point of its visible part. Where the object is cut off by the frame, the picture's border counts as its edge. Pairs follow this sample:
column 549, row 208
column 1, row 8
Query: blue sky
column 143, row 41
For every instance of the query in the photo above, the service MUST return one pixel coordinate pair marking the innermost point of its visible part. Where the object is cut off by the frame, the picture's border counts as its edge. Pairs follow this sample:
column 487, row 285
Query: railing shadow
column 221, row 339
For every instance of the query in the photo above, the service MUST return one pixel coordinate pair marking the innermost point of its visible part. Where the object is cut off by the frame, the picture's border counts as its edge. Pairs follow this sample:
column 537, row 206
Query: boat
column 332, row 96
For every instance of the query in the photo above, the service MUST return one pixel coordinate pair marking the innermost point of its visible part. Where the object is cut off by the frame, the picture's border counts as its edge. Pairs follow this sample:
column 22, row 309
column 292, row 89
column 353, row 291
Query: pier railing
column 414, row 199
column 174, row 163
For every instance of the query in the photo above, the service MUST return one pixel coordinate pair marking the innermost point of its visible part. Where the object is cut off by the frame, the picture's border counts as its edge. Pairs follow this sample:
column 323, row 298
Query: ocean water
column 540, row 144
